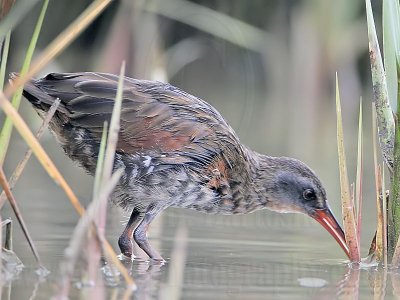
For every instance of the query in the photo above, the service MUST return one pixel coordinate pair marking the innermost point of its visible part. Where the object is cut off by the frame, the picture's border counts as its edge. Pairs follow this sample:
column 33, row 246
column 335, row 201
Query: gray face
column 296, row 189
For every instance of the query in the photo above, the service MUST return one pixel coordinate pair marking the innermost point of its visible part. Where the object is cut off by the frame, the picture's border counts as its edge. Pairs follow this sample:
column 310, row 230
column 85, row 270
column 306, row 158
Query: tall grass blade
column 114, row 127
column 383, row 109
column 391, row 46
column 6, row 130
column 112, row 140
column 4, row 57
column 18, row 215
column 359, row 176
column 349, row 220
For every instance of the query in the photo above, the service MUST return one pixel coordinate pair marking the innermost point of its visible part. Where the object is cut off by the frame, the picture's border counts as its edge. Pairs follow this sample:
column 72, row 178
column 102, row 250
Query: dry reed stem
column 112, row 140
column 17, row 212
column 21, row 165
column 349, row 219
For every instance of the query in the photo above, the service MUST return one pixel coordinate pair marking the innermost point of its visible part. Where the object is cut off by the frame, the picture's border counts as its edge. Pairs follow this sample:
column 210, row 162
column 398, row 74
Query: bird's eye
column 309, row 194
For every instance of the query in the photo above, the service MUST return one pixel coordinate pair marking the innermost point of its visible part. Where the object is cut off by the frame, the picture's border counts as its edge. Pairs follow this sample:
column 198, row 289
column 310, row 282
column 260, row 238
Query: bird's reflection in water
column 155, row 280
column 147, row 278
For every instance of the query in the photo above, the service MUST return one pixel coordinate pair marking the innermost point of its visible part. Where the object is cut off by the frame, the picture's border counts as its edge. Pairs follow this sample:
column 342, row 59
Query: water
column 209, row 257
column 263, row 255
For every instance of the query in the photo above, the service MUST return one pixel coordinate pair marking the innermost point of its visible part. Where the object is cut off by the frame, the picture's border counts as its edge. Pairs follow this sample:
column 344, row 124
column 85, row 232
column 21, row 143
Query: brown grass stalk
column 349, row 217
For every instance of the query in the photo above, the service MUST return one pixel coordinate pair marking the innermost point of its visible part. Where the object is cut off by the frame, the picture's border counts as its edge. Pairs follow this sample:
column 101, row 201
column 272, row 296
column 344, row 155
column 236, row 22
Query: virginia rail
column 176, row 150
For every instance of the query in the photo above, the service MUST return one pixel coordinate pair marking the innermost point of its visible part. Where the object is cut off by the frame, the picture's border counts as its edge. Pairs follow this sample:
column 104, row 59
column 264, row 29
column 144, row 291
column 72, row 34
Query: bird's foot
column 126, row 246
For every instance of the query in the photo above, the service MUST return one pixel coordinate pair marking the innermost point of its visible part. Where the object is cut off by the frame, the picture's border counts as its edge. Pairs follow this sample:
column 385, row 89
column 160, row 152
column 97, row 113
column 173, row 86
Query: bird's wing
column 155, row 117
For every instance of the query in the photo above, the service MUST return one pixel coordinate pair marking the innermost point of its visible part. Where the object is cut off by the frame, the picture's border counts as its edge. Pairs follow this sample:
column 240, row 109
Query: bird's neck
column 261, row 174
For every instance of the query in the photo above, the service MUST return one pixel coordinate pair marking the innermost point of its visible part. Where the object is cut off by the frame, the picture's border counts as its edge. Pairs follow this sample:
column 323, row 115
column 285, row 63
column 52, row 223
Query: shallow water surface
column 259, row 256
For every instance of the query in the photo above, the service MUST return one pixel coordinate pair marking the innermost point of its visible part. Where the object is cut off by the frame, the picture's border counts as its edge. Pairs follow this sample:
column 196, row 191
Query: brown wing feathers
column 155, row 117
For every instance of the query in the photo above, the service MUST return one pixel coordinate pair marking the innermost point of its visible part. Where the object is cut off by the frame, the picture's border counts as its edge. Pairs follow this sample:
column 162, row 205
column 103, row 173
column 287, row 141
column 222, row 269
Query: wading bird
column 175, row 150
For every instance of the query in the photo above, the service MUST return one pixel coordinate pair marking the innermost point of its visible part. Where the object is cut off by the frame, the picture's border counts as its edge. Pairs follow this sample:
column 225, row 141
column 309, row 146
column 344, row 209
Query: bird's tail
column 36, row 96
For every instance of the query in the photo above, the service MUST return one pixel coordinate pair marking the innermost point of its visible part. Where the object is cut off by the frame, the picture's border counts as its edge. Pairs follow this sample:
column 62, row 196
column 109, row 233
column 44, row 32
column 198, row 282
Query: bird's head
column 293, row 187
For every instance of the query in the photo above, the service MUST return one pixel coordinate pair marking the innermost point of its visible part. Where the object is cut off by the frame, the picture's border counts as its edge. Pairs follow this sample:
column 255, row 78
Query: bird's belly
column 170, row 188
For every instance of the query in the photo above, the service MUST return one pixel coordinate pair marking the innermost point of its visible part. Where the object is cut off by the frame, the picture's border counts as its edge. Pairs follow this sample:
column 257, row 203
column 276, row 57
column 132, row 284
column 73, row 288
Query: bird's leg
column 125, row 240
column 140, row 234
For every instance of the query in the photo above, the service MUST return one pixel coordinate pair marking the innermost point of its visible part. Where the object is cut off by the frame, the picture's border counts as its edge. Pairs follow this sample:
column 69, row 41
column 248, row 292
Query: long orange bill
column 326, row 218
